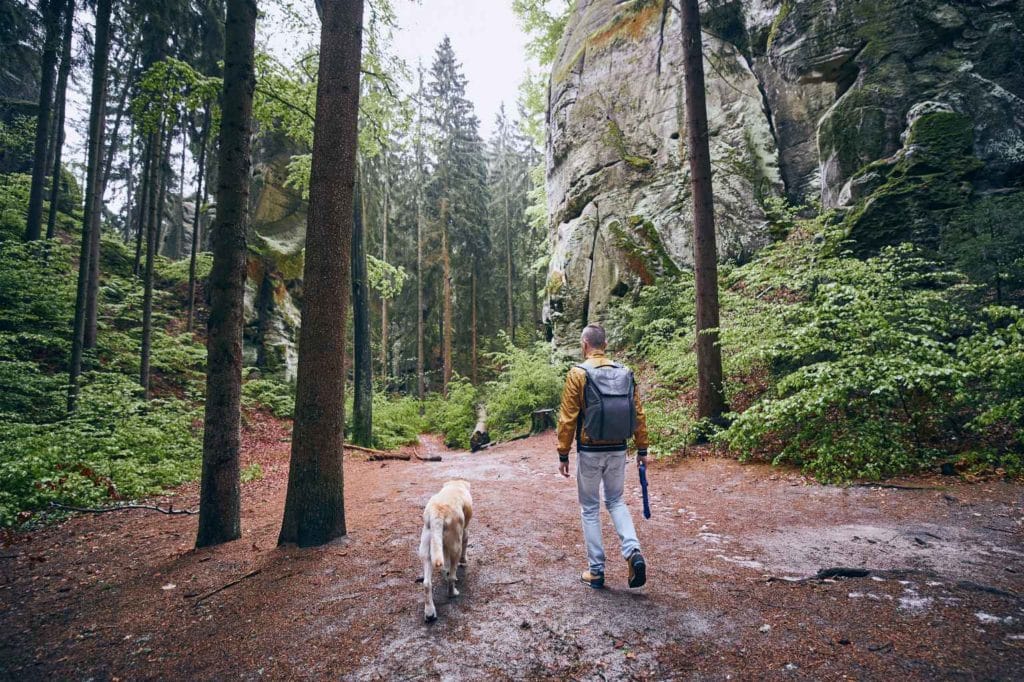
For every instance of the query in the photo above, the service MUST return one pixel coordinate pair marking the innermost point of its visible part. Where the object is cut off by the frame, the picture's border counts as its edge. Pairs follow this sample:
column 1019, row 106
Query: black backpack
column 609, row 409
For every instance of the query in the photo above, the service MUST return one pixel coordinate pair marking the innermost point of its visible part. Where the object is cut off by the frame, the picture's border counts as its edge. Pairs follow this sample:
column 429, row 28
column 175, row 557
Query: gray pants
column 592, row 470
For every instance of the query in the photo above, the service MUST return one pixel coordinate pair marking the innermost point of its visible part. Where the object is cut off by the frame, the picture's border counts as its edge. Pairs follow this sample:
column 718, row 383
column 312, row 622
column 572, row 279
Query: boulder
column 898, row 113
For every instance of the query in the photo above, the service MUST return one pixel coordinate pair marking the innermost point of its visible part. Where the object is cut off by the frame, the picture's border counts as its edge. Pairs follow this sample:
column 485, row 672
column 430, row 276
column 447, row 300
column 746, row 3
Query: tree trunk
column 179, row 240
column 420, row 322
column 153, row 204
column 383, row 300
column 472, row 314
column 314, row 511
column 92, row 185
column 710, row 396
column 165, row 178
column 362, row 399
column 143, row 212
column 115, row 131
column 508, row 267
column 51, row 19
column 534, row 312
column 58, row 136
column 220, row 490
column 129, row 190
column 197, row 230
column 93, row 287
column 446, row 335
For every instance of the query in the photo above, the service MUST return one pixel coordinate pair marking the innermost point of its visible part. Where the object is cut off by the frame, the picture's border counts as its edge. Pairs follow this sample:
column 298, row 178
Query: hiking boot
column 593, row 578
column 637, row 569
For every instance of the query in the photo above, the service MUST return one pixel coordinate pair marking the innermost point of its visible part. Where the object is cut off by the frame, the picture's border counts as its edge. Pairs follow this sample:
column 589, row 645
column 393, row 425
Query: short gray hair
column 594, row 335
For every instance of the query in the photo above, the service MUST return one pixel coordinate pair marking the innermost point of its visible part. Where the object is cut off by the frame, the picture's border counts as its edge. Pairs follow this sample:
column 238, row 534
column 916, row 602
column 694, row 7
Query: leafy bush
column 116, row 446
column 396, row 421
column 275, row 396
column 17, row 141
column 454, row 417
column 14, row 191
column 175, row 272
column 870, row 368
column 253, row 472
column 528, row 381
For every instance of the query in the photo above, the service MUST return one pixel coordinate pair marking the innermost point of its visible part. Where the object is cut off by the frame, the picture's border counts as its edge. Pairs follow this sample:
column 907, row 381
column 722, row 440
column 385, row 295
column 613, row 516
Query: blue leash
column 643, row 486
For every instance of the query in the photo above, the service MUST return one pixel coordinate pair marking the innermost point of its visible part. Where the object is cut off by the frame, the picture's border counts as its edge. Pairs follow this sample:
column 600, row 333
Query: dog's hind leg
column 429, row 610
column 465, row 544
column 451, row 576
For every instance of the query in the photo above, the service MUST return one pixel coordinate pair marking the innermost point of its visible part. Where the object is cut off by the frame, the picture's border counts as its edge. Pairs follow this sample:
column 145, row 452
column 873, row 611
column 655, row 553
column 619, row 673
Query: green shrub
column 275, row 396
column 253, row 472
column 396, row 421
column 17, row 141
column 529, row 380
column 454, row 417
column 175, row 272
column 116, row 446
column 848, row 368
column 14, row 191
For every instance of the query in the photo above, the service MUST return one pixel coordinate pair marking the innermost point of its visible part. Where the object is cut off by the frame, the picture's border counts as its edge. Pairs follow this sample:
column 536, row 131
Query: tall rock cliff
column 907, row 115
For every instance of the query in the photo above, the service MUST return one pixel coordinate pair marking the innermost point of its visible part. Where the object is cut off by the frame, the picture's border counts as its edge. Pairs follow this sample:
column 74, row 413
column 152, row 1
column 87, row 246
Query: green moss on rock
column 645, row 252
column 615, row 138
column 915, row 194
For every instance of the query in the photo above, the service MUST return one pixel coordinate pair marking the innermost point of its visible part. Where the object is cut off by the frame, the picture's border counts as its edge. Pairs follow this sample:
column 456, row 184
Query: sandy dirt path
column 123, row 596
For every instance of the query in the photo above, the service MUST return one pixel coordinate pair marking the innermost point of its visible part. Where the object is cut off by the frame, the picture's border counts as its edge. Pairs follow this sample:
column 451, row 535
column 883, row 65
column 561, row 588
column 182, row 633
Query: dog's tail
column 436, row 540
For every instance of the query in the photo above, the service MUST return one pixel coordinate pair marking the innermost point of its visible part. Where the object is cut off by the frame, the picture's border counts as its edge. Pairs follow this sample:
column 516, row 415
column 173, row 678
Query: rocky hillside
column 906, row 115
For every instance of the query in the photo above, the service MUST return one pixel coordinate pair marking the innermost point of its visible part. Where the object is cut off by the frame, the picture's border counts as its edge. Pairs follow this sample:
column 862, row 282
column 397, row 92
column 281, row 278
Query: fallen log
column 378, row 455
column 360, row 448
column 429, row 458
column 388, row 457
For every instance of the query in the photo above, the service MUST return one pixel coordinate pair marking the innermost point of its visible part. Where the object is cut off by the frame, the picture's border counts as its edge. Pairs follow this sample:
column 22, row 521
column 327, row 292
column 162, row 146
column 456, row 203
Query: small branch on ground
column 170, row 511
column 429, row 458
column 1011, row 531
column 845, row 572
column 377, row 455
column 892, row 486
column 225, row 586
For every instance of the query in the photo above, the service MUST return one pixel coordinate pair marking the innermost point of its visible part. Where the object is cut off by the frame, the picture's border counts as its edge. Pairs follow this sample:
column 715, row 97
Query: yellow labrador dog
column 443, row 540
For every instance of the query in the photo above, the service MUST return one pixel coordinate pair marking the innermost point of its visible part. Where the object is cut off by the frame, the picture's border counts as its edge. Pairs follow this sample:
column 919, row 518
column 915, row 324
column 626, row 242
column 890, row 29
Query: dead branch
column 170, row 511
column 360, row 448
column 891, row 486
column 842, row 572
column 429, row 458
column 386, row 456
column 227, row 585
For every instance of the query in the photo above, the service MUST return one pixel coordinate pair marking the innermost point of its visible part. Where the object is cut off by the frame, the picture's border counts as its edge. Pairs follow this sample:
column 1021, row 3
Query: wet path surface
column 124, row 595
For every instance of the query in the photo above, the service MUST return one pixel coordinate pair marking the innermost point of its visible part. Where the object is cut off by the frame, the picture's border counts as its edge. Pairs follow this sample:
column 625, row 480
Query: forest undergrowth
column 849, row 368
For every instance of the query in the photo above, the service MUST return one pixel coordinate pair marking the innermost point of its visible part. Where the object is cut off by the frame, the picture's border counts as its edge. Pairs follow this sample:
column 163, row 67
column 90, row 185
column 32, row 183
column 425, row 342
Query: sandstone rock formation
column 904, row 114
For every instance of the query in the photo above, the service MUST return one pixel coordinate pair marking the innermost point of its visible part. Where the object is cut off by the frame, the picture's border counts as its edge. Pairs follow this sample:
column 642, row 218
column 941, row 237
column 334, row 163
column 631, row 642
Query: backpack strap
column 583, row 410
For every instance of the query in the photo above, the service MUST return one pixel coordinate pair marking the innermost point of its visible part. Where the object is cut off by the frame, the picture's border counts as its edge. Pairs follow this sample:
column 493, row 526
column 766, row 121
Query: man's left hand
column 563, row 468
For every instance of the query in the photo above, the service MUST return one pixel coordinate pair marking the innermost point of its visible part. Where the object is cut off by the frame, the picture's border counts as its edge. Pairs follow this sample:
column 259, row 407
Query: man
column 601, row 409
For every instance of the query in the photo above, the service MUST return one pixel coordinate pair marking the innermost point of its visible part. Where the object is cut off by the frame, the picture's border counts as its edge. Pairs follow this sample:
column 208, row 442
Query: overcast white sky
column 486, row 38
column 484, row 33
